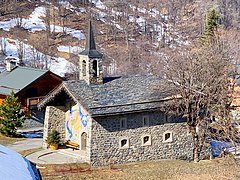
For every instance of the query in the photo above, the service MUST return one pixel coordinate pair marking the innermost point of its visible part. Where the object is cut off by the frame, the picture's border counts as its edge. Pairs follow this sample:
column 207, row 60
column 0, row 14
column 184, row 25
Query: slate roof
column 18, row 78
column 121, row 95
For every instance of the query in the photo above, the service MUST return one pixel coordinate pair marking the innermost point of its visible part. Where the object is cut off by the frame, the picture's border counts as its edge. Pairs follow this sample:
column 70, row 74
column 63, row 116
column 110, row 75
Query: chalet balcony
column 32, row 102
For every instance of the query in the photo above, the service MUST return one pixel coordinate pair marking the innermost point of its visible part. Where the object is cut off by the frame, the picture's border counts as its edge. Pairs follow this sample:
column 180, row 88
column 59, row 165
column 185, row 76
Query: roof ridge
column 31, row 68
column 8, row 87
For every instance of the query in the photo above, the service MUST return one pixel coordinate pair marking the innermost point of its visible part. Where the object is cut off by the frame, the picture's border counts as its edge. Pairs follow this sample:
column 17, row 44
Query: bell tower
column 90, row 61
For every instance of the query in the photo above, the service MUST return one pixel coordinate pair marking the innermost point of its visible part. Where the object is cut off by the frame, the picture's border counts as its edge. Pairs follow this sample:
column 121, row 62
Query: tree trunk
column 195, row 144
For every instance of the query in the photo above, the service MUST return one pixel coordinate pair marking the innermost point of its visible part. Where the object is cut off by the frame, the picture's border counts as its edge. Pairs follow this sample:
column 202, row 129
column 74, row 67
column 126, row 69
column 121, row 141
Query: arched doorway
column 83, row 141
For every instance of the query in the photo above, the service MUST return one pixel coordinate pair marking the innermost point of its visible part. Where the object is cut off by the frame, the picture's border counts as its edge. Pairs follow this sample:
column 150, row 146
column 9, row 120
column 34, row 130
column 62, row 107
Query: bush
column 11, row 116
column 53, row 137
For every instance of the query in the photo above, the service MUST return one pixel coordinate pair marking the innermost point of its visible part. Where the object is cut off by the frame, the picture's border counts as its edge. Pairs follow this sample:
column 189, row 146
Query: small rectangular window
column 145, row 120
column 124, row 143
column 123, row 123
column 146, row 140
column 168, row 136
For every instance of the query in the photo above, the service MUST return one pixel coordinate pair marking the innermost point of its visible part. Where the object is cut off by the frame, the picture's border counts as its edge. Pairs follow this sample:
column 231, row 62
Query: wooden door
column 83, row 141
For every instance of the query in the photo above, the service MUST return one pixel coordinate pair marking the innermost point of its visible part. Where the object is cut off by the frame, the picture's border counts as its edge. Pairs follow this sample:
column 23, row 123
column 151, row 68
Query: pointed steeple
column 90, row 48
column 90, row 61
column 90, row 44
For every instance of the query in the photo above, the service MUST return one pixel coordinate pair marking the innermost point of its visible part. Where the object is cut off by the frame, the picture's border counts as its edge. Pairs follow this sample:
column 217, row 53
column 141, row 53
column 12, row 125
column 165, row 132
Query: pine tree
column 11, row 115
column 211, row 25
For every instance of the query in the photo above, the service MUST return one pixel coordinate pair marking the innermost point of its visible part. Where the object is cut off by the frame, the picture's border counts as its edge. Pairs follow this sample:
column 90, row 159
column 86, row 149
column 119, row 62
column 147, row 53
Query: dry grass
column 63, row 171
column 165, row 169
column 7, row 140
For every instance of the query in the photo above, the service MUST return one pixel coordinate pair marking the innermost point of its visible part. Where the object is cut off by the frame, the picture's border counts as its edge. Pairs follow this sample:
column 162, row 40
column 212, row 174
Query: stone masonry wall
column 107, row 135
column 54, row 119
column 89, row 76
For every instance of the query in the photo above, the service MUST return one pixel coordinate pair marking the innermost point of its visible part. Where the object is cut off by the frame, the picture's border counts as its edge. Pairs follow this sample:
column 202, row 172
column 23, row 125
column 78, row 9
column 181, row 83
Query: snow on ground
column 101, row 15
column 7, row 25
column 141, row 21
column 72, row 8
column 32, row 56
column 70, row 49
column 74, row 33
column 159, row 28
column 59, row 66
column 67, row 5
column 99, row 4
column 10, row 47
column 117, row 25
column 35, row 23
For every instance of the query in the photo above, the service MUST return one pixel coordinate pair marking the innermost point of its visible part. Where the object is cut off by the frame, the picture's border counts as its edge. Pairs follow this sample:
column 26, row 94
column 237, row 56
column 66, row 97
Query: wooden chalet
column 30, row 85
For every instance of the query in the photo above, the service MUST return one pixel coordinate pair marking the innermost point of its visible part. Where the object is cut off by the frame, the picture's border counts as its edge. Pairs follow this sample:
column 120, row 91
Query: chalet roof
column 90, row 49
column 121, row 95
column 18, row 78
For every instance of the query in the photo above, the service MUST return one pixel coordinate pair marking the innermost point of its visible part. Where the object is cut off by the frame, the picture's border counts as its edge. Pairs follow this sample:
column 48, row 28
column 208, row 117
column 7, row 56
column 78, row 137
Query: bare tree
column 3, row 45
column 35, row 59
column 44, row 58
column 201, row 78
column 3, row 8
column 63, row 14
column 21, row 51
column 73, row 68
column 47, row 19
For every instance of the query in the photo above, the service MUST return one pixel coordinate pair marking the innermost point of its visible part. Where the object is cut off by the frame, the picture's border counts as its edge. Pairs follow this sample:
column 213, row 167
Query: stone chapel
column 115, row 118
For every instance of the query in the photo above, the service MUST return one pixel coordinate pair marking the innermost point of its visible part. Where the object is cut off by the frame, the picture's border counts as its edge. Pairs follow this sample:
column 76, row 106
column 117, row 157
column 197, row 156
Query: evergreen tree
column 211, row 25
column 11, row 115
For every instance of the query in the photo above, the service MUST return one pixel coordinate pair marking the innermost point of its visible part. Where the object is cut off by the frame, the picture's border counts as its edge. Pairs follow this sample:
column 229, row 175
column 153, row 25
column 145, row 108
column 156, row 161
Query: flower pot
column 53, row 146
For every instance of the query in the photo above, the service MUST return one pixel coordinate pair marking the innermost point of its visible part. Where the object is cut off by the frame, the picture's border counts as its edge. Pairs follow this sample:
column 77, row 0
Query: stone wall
column 107, row 135
column 54, row 119
column 89, row 71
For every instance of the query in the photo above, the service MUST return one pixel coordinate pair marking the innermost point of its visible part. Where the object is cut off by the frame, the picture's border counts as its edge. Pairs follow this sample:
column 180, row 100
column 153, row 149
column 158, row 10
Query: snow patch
column 99, row 4
column 33, row 57
column 74, row 33
column 7, row 25
column 36, row 23
column 70, row 49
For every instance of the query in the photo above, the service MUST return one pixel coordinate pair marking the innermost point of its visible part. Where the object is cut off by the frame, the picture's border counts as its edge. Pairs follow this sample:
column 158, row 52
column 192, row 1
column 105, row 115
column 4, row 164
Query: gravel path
column 26, row 144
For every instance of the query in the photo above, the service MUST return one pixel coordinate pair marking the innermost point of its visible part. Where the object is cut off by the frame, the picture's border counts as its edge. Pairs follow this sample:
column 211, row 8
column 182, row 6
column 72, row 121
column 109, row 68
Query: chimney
column 10, row 65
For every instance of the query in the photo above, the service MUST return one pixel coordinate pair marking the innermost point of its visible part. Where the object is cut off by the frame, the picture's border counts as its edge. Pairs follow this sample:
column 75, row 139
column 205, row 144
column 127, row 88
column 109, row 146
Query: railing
column 32, row 102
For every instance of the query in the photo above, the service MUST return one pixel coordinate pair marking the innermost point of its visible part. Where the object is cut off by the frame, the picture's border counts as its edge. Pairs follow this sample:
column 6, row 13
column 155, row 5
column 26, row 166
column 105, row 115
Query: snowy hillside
column 34, row 23
column 134, row 36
